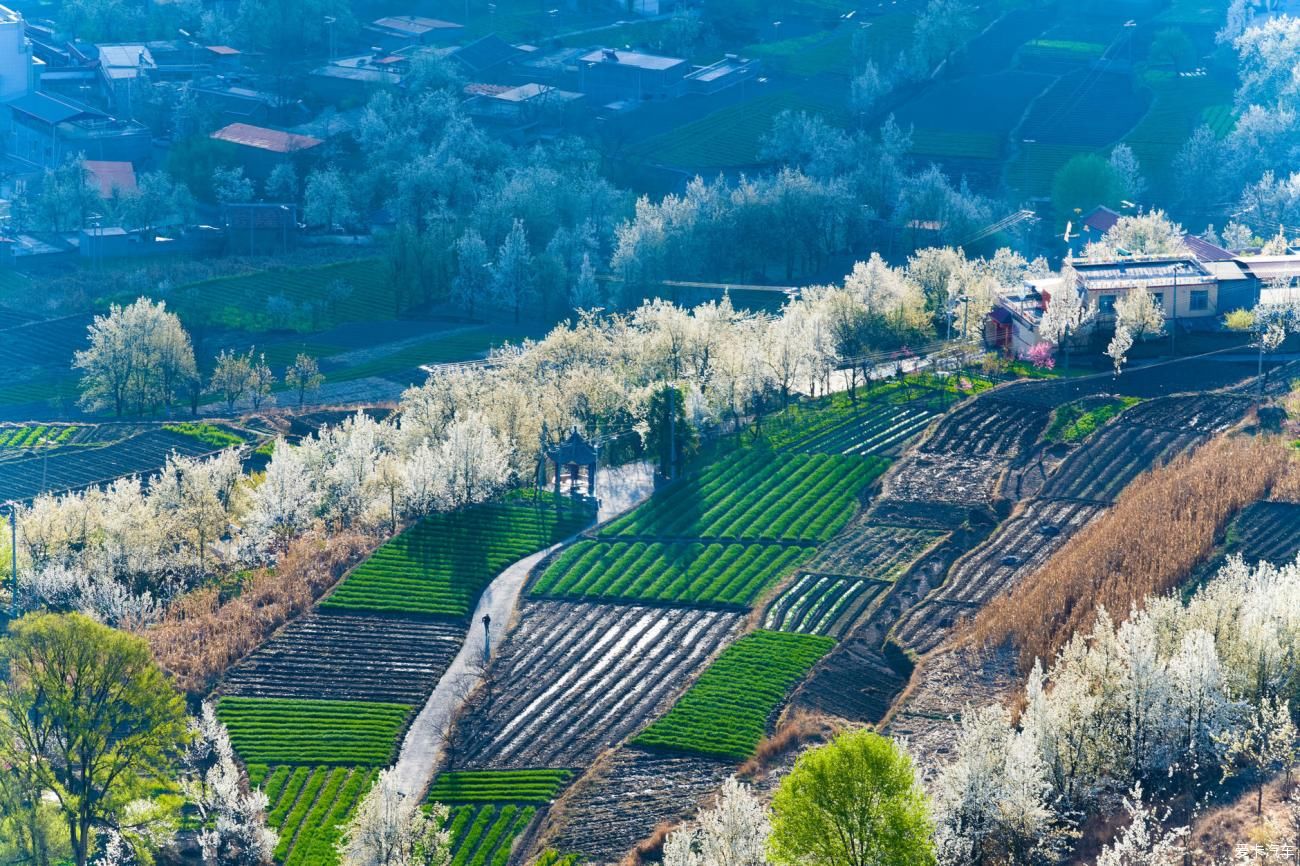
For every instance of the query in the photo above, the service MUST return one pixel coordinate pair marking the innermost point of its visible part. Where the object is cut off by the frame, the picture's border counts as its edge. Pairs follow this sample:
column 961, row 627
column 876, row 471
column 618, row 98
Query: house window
column 1160, row 299
column 1200, row 300
column 1106, row 304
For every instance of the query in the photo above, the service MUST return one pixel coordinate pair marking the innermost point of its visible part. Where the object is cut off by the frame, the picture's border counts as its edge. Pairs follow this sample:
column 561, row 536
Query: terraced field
column 611, row 813
column 439, row 566
column 1119, row 453
column 1268, row 531
column 595, row 671
column 988, row 427
column 757, row 494
column 331, row 655
column 1018, row 546
column 18, row 437
column 311, row 733
column 871, row 428
column 65, row 470
column 484, row 835
column 309, row 806
column 823, row 604
column 727, row 711
column 728, row 575
column 875, row 551
column 492, row 808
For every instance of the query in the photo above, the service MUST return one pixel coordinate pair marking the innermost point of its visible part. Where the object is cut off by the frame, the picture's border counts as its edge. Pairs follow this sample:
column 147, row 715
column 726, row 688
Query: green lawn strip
column 726, row 712
column 441, row 564
column 757, row 493
column 240, row 302
column 725, row 574
column 1074, row 423
column 498, row 786
column 208, row 434
column 334, row 733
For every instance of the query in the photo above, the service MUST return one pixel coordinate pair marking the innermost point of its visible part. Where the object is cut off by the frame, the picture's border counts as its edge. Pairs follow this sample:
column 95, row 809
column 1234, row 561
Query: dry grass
column 202, row 636
column 1161, row 527
column 651, row 848
column 801, row 728
column 1287, row 488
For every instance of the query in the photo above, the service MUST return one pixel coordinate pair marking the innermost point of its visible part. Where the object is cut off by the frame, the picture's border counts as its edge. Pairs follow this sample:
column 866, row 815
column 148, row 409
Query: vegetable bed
column 757, row 494
column 335, row 733
column 732, row 575
column 309, row 807
column 440, row 565
column 727, row 711
column 498, row 786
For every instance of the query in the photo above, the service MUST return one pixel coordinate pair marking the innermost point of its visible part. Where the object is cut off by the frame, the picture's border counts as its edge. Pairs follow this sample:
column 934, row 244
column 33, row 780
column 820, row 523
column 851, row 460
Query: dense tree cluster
column 1174, row 699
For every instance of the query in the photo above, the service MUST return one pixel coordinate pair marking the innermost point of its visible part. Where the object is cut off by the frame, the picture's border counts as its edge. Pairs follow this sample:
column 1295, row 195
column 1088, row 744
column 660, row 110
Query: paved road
column 619, row 489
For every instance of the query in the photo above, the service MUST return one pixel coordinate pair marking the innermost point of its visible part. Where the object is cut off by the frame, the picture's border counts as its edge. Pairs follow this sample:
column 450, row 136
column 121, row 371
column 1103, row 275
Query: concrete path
column 619, row 488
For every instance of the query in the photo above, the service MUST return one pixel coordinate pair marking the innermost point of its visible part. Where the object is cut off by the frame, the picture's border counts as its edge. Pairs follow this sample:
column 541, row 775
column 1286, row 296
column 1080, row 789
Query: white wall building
column 17, row 71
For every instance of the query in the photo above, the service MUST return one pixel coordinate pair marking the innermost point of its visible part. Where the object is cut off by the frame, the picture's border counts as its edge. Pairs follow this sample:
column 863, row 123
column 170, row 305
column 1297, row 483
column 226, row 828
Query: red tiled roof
column 109, row 176
column 265, row 139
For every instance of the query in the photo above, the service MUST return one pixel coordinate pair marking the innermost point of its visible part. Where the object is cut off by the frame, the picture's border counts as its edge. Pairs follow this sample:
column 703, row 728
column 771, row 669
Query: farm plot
column 823, row 604
column 440, row 565
column 955, row 117
column 349, row 657
column 491, row 808
column 1018, row 546
column 1034, row 167
column 953, row 479
column 360, row 291
column 874, row 551
column 20, row 437
column 336, row 733
column 869, row 428
column 727, row 137
column 484, row 835
column 1181, row 104
column 1103, row 467
column 1086, row 108
column 498, row 786
column 757, row 494
column 987, row 426
column 1268, row 531
column 593, row 672
column 727, row 575
column 609, row 814
column 1205, row 413
column 81, row 468
column 727, row 711
column 309, row 807
column 855, row 681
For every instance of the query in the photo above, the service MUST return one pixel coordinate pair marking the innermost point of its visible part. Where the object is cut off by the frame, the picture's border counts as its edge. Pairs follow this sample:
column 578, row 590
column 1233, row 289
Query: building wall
column 17, row 73
column 1185, row 293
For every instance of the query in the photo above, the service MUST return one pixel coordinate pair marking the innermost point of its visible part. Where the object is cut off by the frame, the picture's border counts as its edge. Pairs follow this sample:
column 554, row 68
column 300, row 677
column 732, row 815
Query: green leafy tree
column 1171, row 45
column 1083, row 183
column 853, row 802
column 88, row 714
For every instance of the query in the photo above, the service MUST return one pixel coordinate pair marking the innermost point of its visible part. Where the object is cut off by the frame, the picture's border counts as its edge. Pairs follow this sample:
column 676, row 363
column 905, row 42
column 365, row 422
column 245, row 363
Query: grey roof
column 52, row 109
column 637, row 59
column 486, row 53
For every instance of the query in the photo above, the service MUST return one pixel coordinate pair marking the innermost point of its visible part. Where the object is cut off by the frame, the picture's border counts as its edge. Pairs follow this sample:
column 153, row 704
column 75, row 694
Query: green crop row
column 29, row 436
column 484, row 835
column 309, row 807
column 729, row 574
column 208, row 434
column 440, row 565
column 726, row 712
column 757, row 494
column 285, row 731
column 498, row 786
column 551, row 857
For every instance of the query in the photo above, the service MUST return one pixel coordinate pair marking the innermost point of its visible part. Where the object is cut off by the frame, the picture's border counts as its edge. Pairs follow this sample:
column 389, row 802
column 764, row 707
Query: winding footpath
column 619, row 489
